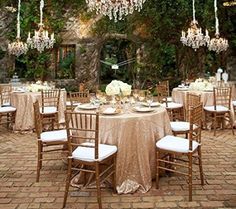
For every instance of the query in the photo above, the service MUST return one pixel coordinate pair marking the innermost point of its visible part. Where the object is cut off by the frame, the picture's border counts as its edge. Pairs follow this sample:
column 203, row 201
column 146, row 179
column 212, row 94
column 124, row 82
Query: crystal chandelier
column 41, row 39
column 217, row 44
column 195, row 37
column 17, row 47
column 115, row 9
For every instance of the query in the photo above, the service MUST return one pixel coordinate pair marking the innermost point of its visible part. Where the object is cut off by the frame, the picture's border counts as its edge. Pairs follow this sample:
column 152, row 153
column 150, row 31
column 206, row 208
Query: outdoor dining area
column 117, row 104
column 123, row 137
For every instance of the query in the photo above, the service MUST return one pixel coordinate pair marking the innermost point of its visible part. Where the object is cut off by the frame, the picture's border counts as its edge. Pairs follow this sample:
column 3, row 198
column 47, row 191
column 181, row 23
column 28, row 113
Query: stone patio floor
column 18, row 189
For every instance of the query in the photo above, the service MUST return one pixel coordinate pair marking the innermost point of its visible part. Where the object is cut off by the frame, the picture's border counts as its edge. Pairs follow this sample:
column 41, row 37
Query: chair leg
column 114, row 175
column 39, row 163
column 231, row 122
column 158, row 170
column 200, row 165
column 67, row 181
column 214, row 123
column 98, row 185
column 190, row 176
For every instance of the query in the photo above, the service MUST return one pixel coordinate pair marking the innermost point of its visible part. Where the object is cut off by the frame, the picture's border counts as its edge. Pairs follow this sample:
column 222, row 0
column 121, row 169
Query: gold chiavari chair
column 221, row 110
column 7, row 111
column 77, row 98
column 175, row 110
column 50, row 106
column 167, row 86
column 86, row 155
column 183, row 127
column 171, row 149
column 56, row 140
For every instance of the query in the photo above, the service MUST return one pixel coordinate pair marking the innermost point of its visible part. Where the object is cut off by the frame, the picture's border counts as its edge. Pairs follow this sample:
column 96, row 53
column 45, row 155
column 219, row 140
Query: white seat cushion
column 7, row 109
column 50, row 136
column 181, row 126
column 176, row 144
column 87, row 153
column 219, row 108
column 234, row 103
column 48, row 110
column 169, row 99
column 172, row 105
column 68, row 103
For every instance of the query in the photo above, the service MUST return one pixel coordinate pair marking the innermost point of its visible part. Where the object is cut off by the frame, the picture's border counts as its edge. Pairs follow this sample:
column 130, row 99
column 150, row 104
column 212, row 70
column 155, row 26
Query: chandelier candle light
column 41, row 39
column 115, row 9
column 18, row 47
column 195, row 37
column 217, row 44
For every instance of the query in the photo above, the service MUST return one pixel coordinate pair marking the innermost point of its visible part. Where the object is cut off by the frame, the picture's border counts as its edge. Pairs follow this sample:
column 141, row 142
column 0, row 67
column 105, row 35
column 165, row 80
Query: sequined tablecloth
column 135, row 135
column 25, row 110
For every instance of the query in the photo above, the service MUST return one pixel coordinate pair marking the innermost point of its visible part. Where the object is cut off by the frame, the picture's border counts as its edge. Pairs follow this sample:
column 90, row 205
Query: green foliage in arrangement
column 158, row 25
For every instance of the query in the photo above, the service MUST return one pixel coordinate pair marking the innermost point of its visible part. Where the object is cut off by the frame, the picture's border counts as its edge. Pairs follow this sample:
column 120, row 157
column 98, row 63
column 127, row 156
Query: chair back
column 192, row 100
column 5, row 97
column 162, row 93
column 50, row 98
column 222, row 96
column 37, row 119
column 78, row 97
column 196, row 113
column 166, row 84
column 82, row 127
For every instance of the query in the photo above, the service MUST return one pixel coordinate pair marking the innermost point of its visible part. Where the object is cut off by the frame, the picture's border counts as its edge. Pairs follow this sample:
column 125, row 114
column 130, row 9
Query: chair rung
column 174, row 171
column 83, row 170
column 173, row 163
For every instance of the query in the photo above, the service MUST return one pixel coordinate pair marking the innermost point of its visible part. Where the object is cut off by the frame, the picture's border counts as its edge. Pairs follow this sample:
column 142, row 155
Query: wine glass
column 149, row 99
column 135, row 94
column 92, row 98
column 141, row 96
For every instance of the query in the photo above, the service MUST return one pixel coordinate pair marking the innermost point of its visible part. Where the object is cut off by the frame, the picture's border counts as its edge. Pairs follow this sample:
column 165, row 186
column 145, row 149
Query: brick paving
column 18, row 189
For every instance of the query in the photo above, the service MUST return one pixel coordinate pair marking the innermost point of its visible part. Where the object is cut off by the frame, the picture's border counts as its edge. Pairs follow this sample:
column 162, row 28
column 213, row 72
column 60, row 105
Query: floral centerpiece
column 201, row 85
column 118, row 88
column 38, row 86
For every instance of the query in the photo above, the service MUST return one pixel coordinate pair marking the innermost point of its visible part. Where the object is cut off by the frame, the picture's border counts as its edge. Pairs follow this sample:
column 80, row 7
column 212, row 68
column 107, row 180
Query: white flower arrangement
column 201, row 85
column 38, row 86
column 118, row 87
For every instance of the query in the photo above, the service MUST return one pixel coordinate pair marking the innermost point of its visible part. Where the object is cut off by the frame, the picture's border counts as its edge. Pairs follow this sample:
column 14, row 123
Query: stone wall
column 6, row 61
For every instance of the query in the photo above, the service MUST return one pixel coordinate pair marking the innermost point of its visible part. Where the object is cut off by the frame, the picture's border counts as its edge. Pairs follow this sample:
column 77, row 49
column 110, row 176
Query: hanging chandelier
column 41, row 39
column 17, row 47
column 194, row 38
column 115, row 9
column 217, row 44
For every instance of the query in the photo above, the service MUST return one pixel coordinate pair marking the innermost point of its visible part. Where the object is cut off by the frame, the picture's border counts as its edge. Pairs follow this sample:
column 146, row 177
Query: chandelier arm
column 194, row 17
column 18, row 20
column 216, row 18
column 41, row 11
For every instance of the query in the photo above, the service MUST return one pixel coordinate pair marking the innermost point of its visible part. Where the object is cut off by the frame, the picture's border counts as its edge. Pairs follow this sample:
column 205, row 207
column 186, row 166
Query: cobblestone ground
column 18, row 189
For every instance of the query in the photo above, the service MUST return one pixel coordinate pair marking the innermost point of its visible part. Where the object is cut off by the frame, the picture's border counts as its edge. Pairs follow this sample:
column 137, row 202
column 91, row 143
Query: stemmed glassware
column 141, row 96
column 149, row 99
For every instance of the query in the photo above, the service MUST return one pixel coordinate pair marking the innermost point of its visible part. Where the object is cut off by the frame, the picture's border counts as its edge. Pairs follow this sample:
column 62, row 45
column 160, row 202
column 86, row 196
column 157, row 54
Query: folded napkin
column 109, row 110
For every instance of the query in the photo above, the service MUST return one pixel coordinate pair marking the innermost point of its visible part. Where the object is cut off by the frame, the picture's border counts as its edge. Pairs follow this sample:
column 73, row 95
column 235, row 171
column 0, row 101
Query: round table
column 135, row 135
column 23, row 101
column 207, row 98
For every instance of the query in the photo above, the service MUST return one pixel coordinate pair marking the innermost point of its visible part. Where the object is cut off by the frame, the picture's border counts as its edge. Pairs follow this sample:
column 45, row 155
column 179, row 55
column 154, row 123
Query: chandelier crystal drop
column 217, row 44
column 18, row 47
column 41, row 39
column 194, row 37
column 115, row 9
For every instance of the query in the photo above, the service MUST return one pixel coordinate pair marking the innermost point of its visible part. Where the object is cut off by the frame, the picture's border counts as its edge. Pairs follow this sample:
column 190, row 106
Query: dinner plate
column 87, row 106
column 143, row 109
column 183, row 89
column 208, row 90
column 153, row 104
